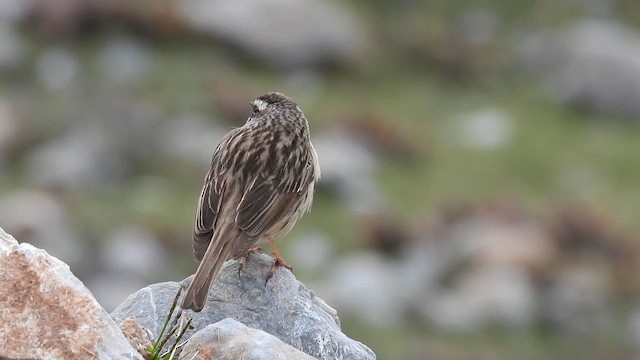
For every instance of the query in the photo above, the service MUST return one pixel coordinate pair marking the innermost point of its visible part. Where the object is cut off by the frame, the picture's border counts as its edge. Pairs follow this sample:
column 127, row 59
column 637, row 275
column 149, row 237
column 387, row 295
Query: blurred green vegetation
column 413, row 95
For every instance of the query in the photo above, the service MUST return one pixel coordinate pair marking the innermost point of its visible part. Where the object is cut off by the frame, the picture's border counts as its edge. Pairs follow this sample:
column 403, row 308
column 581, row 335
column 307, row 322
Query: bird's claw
column 279, row 262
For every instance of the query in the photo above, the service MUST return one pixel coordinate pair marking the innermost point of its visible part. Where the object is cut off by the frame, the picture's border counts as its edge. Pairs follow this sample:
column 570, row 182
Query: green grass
column 155, row 350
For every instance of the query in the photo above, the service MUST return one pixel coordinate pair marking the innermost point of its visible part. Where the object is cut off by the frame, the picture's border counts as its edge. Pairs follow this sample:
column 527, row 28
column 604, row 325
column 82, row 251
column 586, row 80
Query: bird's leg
column 279, row 261
column 243, row 259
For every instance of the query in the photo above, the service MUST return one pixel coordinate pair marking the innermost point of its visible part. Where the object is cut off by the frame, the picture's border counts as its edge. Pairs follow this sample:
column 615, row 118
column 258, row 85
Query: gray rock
column 83, row 158
column 593, row 65
column 282, row 307
column 283, row 33
column 47, row 313
column 366, row 285
column 349, row 168
column 230, row 339
column 58, row 68
column 478, row 270
column 108, row 134
column 486, row 296
column 126, row 60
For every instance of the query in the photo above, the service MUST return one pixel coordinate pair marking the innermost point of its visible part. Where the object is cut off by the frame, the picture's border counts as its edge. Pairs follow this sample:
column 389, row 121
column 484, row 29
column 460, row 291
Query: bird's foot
column 279, row 262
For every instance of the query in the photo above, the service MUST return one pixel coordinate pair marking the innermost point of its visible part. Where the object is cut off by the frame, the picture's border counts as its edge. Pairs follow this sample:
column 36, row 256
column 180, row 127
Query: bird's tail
column 221, row 245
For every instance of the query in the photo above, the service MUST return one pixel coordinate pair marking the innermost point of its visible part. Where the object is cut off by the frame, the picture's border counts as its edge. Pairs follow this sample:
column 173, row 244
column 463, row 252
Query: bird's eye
column 258, row 105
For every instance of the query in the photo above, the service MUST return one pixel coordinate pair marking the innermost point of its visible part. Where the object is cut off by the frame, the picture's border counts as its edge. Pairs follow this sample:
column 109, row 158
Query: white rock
column 485, row 129
column 368, row 286
column 233, row 340
column 47, row 313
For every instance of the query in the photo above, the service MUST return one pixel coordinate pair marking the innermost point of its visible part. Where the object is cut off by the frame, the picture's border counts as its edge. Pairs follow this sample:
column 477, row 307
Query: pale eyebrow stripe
column 260, row 104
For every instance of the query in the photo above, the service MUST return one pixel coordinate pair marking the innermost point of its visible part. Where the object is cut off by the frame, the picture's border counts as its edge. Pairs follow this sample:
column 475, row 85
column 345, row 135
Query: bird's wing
column 211, row 196
column 272, row 197
column 263, row 206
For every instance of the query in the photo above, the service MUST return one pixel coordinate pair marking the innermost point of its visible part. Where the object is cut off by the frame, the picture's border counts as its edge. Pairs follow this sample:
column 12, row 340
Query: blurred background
column 481, row 159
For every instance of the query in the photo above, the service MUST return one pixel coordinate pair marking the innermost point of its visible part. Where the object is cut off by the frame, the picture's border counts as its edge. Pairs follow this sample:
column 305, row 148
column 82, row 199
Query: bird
column 260, row 183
